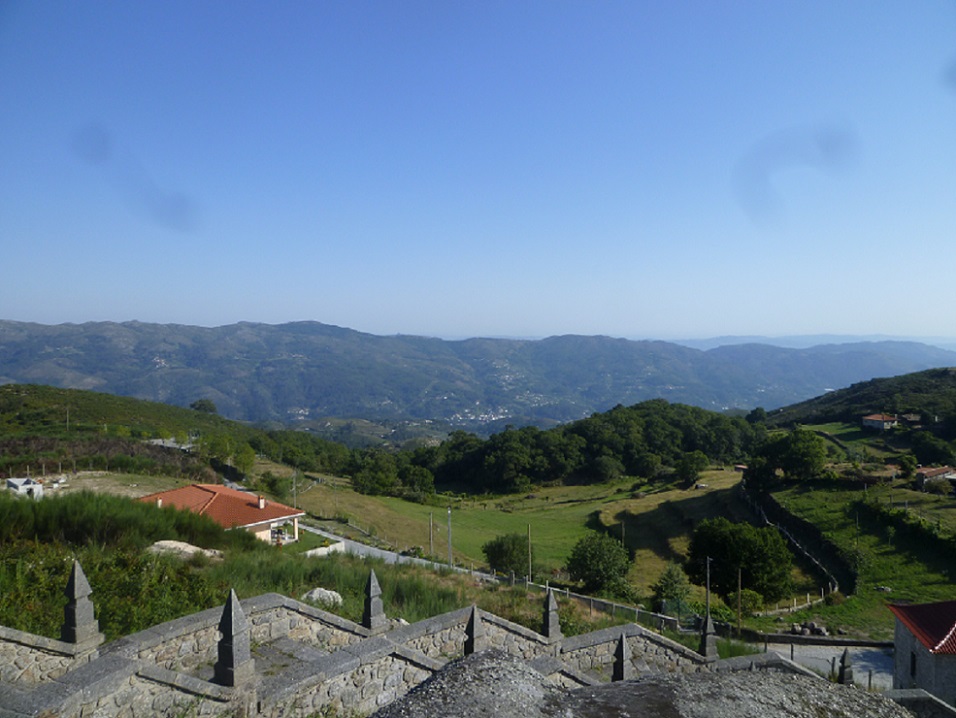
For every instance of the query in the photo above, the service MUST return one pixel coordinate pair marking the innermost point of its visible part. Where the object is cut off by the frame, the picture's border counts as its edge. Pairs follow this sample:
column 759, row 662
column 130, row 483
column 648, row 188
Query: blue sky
column 638, row 169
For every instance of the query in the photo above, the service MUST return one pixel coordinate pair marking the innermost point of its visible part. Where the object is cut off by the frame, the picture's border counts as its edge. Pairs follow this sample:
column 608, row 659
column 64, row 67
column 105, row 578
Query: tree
column 802, row 454
column 507, row 553
column 204, row 405
column 690, row 466
column 600, row 563
column 245, row 459
column 761, row 555
column 930, row 449
column 671, row 588
column 757, row 416
column 907, row 464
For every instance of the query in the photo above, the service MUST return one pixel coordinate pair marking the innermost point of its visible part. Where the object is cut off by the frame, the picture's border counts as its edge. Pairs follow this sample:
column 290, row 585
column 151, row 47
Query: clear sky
column 455, row 168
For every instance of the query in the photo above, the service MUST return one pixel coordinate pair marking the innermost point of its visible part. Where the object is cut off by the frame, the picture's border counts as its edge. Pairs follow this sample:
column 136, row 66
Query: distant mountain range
column 307, row 370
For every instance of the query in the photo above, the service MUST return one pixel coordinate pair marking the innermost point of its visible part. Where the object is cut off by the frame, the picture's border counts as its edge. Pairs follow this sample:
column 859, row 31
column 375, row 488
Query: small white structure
column 26, row 487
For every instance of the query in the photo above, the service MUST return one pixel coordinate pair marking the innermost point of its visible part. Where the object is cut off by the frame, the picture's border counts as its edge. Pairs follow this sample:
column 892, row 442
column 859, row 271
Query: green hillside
column 32, row 409
column 930, row 393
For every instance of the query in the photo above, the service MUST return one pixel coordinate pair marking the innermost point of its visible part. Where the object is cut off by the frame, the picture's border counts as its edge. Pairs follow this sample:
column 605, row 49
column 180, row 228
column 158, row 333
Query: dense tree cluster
column 760, row 555
column 799, row 454
column 625, row 441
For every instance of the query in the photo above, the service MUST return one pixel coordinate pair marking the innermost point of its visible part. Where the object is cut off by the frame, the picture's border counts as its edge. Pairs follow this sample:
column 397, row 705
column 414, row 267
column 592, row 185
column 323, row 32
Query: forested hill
column 306, row 370
column 931, row 394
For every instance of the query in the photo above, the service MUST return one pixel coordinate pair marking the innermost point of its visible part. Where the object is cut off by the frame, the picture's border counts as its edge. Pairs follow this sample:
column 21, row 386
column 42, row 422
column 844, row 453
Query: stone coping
column 186, row 683
column 550, row 666
column 611, row 635
column 131, row 646
column 307, row 674
column 920, row 702
column 436, row 624
column 761, row 662
column 30, row 640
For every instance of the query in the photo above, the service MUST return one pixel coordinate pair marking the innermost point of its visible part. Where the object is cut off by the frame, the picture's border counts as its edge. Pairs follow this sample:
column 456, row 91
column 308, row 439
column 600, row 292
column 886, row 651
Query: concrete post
column 474, row 633
column 79, row 624
column 846, row 669
column 623, row 668
column 373, row 617
column 235, row 665
column 708, row 640
column 551, row 621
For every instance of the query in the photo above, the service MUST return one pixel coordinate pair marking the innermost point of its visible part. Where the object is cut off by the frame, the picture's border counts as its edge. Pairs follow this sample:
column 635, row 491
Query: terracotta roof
column 227, row 507
column 932, row 471
column 880, row 417
column 934, row 624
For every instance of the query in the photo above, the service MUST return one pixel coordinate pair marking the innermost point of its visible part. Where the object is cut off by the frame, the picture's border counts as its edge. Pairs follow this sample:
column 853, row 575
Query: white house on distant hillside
column 26, row 487
column 882, row 422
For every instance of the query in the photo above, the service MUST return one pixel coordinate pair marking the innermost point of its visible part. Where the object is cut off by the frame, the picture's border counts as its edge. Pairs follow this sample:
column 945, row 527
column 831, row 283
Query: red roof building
column 925, row 648
column 230, row 508
column 881, row 422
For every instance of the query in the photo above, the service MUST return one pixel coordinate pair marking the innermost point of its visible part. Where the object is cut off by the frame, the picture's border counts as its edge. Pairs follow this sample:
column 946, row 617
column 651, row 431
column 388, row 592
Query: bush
column 508, row 553
column 834, row 598
column 750, row 602
column 600, row 563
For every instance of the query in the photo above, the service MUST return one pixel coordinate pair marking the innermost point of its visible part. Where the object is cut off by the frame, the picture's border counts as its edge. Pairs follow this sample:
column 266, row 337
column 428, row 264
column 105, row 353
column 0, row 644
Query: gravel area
column 492, row 683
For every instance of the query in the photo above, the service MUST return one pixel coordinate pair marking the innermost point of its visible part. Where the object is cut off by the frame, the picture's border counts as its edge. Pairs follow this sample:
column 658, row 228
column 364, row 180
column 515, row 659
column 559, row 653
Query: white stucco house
column 26, row 487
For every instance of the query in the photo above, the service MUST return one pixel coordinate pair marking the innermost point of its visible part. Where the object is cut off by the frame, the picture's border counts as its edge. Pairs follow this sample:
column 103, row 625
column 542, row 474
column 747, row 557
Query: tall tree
column 760, row 555
column 600, row 563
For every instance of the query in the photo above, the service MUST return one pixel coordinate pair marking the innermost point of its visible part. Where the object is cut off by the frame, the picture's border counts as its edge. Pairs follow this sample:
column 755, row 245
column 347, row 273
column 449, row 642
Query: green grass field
column 655, row 520
column 912, row 570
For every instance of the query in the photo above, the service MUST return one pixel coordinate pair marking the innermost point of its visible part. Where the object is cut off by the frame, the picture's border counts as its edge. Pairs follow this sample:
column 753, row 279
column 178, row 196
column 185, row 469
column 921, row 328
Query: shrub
column 834, row 598
column 600, row 563
column 508, row 553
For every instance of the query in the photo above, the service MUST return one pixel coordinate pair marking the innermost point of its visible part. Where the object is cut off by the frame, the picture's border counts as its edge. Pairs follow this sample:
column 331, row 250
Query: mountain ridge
column 308, row 370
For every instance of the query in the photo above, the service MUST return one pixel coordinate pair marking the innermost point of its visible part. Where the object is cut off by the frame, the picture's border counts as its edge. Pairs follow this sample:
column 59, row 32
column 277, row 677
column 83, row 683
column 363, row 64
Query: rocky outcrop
column 493, row 683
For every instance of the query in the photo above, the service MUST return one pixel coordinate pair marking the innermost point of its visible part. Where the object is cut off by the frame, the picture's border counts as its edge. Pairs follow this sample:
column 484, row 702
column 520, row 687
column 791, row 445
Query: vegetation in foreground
column 134, row 589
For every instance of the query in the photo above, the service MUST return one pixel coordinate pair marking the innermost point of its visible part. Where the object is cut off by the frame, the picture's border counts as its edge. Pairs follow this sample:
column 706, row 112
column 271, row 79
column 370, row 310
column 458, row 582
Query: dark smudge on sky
column 823, row 148
column 94, row 145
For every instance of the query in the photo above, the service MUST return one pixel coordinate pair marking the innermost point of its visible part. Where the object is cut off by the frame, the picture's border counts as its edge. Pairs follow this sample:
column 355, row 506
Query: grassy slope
column 913, row 571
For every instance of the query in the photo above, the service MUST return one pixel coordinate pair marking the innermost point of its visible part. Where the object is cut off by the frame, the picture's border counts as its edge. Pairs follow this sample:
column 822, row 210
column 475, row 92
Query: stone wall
column 594, row 652
column 29, row 659
column 302, row 660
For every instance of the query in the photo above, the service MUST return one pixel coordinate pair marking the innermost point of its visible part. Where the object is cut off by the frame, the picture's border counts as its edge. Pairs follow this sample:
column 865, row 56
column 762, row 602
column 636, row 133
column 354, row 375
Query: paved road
column 862, row 659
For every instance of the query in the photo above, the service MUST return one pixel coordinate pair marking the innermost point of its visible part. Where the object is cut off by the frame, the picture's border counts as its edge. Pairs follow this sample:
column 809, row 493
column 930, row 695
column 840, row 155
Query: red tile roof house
column 934, row 472
column 925, row 648
column 879, row 421
column 234, row 509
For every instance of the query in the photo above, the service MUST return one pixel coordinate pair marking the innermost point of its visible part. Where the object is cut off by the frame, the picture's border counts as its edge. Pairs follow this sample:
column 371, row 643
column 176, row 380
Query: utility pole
column 431, row 534
column 739, row 572
column 707, row 611
column 450, row 563
column 529, row 552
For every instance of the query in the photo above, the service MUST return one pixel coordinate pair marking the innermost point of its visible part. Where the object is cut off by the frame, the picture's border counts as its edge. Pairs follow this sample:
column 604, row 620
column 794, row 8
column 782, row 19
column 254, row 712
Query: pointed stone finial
column 623, row 668
column 373, row 617
column 551, row 623
column 474, row 633
column 79, row 624
column 846, row 669
column 235, row 665
column 708, row 640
